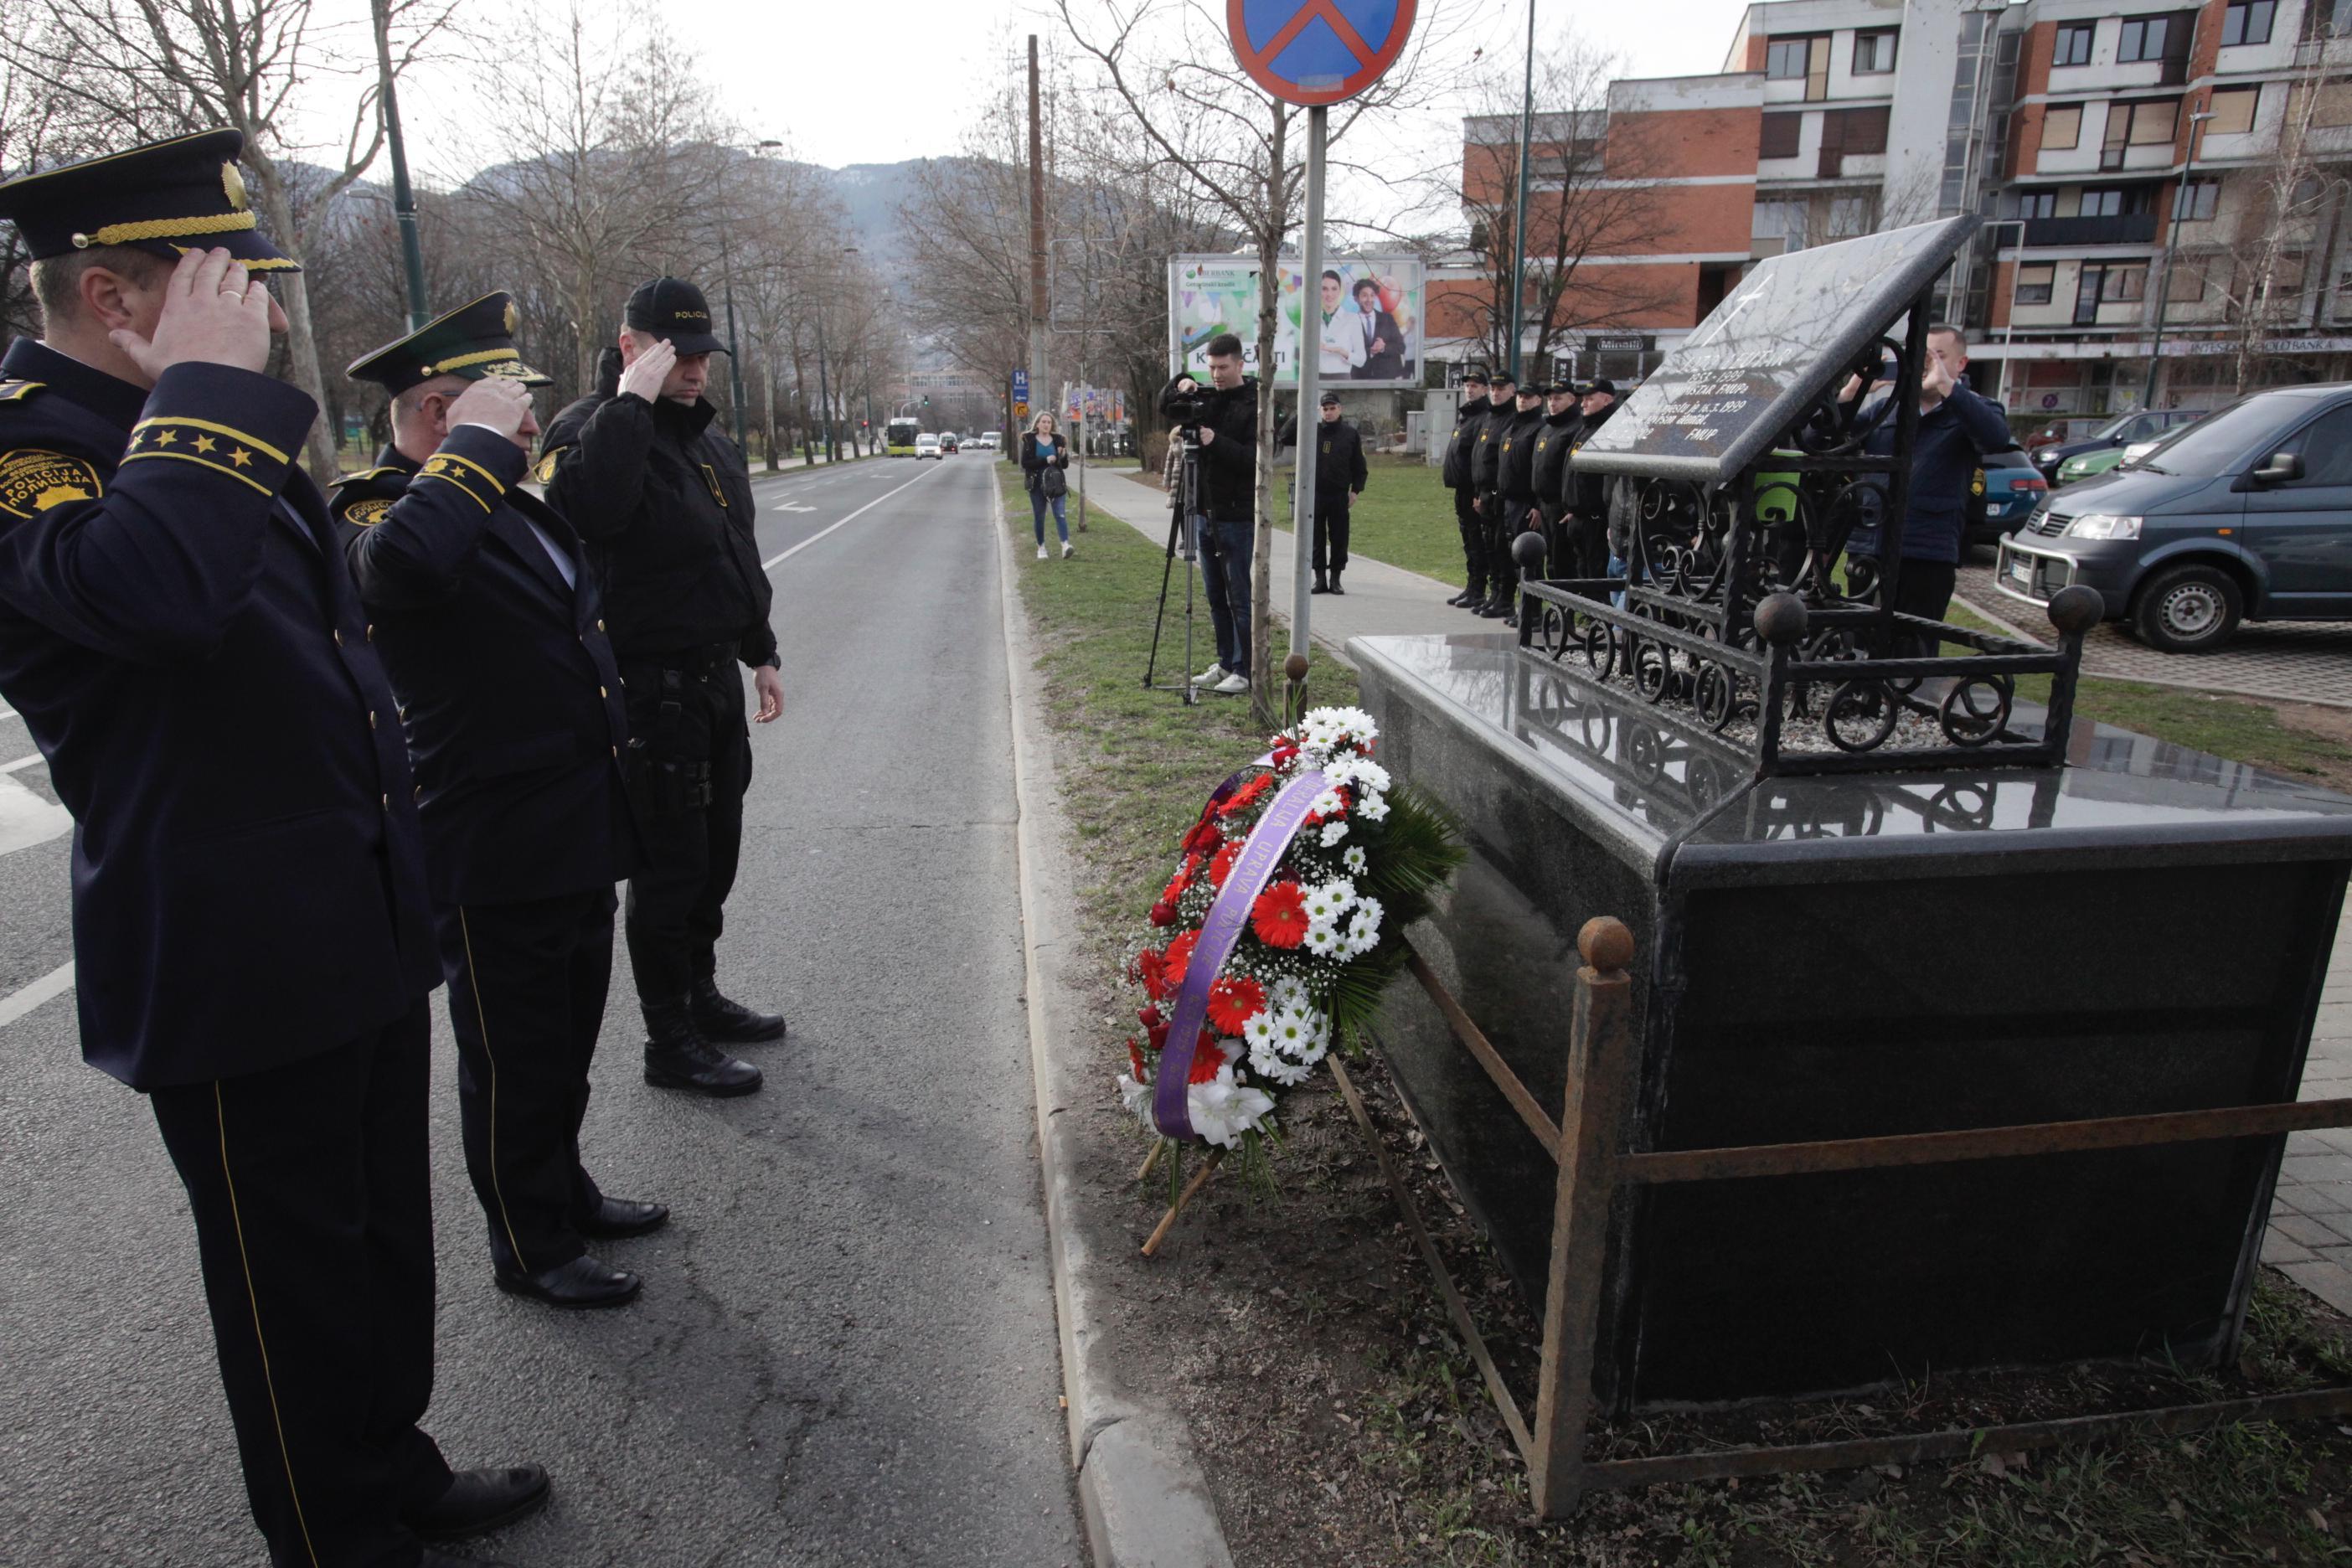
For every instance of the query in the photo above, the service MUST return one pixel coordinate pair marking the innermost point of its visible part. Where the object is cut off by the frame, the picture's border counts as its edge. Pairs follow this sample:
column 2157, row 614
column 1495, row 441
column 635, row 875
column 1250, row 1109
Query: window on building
column 2233, row 111
column 2335, row 104
column 2247, row 21
column 2062, row 127
column 2034, row 282
column 2142, row 39
column 2196, row 201
column 1858, row 131
column 1805, row 59
column 2326, row 19
column 1873, row 52
column 2032, row 205
column 2072, row 45
column 1781, row 221
column 2117, row 284
column 2116, row 201
column 1853, row 216
column 1781, row 135
column 2190, row 280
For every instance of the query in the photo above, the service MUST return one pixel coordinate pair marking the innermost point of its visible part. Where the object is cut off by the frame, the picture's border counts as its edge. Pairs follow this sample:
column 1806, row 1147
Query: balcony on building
column 2122, row 228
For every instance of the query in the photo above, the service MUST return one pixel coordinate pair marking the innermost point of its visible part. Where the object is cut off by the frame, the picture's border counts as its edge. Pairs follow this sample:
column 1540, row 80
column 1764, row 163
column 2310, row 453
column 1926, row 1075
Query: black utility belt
column 703, row 660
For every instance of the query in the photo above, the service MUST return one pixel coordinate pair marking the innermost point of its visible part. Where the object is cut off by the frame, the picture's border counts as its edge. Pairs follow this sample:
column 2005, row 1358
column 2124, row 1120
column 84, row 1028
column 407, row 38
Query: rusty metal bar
column 1455, row 1306
column 1912, row 1447
column 1664, row 1165
column 1478, row 1045
column 1602, row 1058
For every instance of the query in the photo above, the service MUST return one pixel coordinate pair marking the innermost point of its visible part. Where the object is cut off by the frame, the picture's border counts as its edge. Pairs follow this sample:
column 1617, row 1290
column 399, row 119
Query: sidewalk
column 2311, row 1219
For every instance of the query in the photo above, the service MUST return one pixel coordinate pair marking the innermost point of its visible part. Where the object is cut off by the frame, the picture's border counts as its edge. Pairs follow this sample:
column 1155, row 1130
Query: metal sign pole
column 1310, row 367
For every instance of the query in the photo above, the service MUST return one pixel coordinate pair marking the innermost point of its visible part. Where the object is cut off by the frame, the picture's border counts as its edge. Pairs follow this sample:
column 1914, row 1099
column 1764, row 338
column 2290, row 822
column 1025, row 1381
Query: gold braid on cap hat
column 165, row 228
column 487, row 356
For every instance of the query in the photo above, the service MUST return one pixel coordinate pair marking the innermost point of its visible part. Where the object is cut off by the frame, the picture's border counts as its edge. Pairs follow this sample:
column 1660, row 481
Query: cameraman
column 1222, row 419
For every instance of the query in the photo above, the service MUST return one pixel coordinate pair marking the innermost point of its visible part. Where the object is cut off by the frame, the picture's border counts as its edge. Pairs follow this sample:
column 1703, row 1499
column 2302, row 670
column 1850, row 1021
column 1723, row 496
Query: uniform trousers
column 1332, row 533
column 1505, row 521
column 689, row 764
column 309, row 1182
column 527, row 986
column 1474, row 539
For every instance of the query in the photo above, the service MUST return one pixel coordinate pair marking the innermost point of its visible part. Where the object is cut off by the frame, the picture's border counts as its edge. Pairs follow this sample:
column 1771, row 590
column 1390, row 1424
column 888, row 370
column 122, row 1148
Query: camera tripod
column 1184, row 524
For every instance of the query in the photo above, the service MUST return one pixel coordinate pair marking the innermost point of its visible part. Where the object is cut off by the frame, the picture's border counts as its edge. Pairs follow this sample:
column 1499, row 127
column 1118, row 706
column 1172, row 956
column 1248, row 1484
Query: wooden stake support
column 1167, row 1221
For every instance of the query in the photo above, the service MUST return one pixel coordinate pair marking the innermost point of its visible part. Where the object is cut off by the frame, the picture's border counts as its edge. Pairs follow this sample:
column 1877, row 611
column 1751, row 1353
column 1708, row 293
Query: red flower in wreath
column 1180, row 954
column 1207, row 1060
column 1204, row 835
column 1135, row 1058
column 1223, row 866
column 1279, row 916
column 1233, row 1000
column 1244, row 797
column 1151, row 970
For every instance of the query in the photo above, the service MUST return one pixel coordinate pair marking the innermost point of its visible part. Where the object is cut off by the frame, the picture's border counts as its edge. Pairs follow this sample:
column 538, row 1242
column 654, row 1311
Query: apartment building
column 2190, row 159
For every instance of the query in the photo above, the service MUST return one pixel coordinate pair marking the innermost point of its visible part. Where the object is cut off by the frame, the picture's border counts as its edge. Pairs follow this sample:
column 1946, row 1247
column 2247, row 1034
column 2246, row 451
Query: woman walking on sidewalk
column 1044, row 457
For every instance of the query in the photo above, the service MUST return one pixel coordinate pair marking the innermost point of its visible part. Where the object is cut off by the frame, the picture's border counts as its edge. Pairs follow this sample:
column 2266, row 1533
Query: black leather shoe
column 479, row 1502
column 614, row 1217
column 731, row 1022
column 433, row 1559
column 582, row 1282
column 678, row 1057
column 1321, row 586
column 1335, row 584
column 1467, row 597
column 1494, row 609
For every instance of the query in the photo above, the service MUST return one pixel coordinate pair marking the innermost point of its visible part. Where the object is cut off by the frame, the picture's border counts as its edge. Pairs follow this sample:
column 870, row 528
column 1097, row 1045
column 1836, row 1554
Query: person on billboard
column 1343, row 346
column 1384, row 339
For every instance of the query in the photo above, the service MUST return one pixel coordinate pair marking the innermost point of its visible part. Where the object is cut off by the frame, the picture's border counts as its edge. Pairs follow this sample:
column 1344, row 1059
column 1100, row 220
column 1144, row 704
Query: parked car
column 926, row 445
column 991, row 441
column 2244, row 515
column 2002, row 494
column 2065, row 428
column 2147, row 425
column 2091, row 465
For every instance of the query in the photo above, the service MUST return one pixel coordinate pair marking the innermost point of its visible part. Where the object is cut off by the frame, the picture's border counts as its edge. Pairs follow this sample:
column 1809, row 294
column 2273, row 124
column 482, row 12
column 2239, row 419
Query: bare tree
column 2272, row 255
column 156, row 66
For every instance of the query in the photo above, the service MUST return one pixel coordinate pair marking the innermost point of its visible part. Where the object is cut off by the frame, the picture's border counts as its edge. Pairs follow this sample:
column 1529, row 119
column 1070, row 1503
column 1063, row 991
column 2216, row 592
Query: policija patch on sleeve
column 366, row 513
column 33, row 481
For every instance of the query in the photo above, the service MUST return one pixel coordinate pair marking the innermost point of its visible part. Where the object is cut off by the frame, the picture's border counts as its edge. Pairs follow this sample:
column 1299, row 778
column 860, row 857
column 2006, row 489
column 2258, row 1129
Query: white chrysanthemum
column 1322, row 905
column 1275, row 1067
column 1317, row 1050
column 1360, row 771
column 1223, row 1110
column 1328, row 804
column 1370, row 908
column 1295, row 1031
column 1288, row 995
column 1358, row 942
column 1332, row 833
column 1137, row 1098
column 1355, row 859
column 1259, row 1030
column 1372, row 807
column 1341, row 888
column 1322, row 938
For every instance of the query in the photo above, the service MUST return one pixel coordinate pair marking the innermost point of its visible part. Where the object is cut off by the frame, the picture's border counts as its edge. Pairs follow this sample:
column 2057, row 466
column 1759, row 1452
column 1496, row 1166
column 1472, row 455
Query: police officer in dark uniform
column 1485, row 482
column 252, row 933
column 1339, row 477
column 1457, row 472
column 664, row 500
column 1554, row 442
column 487, row 618
column 1514, row 480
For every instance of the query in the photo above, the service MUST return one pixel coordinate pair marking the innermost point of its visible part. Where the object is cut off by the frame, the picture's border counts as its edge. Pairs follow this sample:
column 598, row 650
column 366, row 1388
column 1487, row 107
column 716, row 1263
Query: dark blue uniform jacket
column 509, row 691
column 1944, row 457
column 178, row 628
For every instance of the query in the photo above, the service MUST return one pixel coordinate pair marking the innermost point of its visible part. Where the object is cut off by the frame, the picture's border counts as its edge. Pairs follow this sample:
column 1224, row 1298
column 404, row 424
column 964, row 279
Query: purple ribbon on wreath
column 1268, row 842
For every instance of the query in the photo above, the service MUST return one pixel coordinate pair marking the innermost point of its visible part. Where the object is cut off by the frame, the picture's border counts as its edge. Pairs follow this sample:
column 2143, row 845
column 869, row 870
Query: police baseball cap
column 474, row 340
column 674, row 310
column 1532, row 389
column 1477, row 377
column 1602, row 384
column 1502, row 378
column 1330, row 400
column 166, row 198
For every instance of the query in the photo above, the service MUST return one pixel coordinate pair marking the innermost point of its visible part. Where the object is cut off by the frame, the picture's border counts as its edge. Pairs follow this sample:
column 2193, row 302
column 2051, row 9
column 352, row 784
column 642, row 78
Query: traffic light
column 927, row 403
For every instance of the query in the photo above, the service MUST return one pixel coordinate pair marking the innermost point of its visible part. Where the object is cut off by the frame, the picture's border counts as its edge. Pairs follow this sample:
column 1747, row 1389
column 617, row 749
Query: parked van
column 2244, row 515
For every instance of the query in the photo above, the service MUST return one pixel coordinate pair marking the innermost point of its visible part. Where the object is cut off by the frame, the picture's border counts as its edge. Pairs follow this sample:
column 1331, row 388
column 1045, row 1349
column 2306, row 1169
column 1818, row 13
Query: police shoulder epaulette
column 362, row 474
column 17, row 391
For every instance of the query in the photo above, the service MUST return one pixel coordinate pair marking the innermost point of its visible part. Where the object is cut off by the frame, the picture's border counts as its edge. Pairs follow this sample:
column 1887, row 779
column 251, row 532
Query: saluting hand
column 213, row 313
column 649, row 369
column 769, row 686
column 501, row 404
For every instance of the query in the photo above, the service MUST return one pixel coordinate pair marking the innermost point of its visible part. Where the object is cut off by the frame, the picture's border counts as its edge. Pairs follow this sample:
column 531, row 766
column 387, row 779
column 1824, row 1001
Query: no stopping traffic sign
column 1312, row 52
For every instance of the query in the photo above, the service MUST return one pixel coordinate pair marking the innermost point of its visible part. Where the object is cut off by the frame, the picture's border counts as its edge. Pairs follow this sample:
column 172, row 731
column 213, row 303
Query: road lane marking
column 18, row 1003
column 770, row 563
column 25, row 819
column 22, row 762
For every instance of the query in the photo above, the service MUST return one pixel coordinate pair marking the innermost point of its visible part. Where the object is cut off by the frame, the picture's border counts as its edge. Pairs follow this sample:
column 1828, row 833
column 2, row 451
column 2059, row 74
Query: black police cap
column 474, row 340
column 1502, row 378
column 1603, row 384
column 1474, row 375
column 1330, row 400
column 674, row 310
column 166, row 198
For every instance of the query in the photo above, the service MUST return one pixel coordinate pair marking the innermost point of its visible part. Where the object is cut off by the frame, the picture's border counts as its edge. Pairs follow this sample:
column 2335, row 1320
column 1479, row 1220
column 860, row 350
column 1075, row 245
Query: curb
column 1140, row 1486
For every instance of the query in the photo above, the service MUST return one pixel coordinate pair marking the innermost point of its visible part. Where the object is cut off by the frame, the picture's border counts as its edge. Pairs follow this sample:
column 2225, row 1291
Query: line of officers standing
column 325, row 754
column 1510, row 468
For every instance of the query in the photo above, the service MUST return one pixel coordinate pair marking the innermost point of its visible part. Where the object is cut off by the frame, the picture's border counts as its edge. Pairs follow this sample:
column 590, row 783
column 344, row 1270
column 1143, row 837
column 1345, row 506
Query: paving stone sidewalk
column 2288, row 661
column 2310, row 1220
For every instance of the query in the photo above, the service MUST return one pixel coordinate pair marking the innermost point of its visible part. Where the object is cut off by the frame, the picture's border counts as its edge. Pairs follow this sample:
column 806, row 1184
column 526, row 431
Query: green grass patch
column 1135, row 763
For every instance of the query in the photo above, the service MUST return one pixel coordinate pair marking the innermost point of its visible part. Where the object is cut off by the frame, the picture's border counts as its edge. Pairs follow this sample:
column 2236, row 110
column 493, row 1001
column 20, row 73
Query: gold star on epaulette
column 166, row 438
column 205, row 443
column 240, row 457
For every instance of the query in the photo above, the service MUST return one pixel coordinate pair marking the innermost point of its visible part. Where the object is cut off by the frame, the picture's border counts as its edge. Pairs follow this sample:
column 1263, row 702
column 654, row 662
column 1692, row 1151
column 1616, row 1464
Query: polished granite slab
column 2142, row 929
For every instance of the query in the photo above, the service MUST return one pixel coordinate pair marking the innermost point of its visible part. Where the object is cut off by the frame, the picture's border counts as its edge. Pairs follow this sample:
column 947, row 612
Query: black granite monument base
column 2144, row 930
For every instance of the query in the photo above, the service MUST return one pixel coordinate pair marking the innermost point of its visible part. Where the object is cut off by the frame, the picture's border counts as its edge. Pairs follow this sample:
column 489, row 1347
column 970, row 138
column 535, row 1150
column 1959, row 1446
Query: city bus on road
column 899, row 438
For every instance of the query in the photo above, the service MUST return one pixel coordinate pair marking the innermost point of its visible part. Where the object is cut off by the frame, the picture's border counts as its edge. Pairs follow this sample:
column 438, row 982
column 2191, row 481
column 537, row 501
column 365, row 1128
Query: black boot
column 1321, row 586
column 1470, row 598
column 677, row 1056
column 1335, row 582
column 731, row 1022
column 1496, row 607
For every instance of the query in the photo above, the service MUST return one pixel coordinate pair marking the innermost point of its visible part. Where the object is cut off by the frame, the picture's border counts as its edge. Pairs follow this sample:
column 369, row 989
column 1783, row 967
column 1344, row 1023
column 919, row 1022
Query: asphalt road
column 844, row 1353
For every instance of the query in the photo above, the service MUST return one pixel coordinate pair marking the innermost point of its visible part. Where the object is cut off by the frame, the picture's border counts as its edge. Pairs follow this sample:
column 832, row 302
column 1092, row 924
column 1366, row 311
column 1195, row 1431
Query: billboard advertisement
column 1367, row 312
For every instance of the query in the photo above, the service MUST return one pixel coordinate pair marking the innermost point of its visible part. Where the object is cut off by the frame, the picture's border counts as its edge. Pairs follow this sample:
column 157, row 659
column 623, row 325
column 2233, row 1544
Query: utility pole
column 2182, row 194
column 1519, row 212
column 1311, row 376
column 403, row 198
column 824, row 394
column 1036, row 229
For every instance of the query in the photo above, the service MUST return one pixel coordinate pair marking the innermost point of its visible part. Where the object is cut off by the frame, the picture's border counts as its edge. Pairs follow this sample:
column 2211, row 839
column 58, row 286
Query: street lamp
column 727, row 279
column 2171, row 244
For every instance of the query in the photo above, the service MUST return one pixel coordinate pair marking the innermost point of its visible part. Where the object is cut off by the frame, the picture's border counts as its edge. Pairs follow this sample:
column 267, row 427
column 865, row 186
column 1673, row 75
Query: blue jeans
column 1226, row 551
column 1037, row 500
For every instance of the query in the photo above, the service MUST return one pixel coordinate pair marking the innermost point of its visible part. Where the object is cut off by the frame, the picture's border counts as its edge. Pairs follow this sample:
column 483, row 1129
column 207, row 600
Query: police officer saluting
column 252, row 933
column 491, row 626
column 1470, row 421
column 1486, row 497
column 664, row 503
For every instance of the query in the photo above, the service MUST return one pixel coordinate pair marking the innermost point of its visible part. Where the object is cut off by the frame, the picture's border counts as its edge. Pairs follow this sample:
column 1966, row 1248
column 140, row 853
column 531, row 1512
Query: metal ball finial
column 1295, row 667
column 2076, row 608
column 1606, row 945
column 1782, row 619
column 1527, row 550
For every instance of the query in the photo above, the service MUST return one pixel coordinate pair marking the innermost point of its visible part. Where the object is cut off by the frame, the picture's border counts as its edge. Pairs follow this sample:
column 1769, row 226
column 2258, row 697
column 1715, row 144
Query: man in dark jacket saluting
column 1487, row 498
column 252, row 935
column 512, row 701
column 1516, row 484
column 1469, row 422
column 1340, row 475
column 1561, row 429
column 664, row 500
